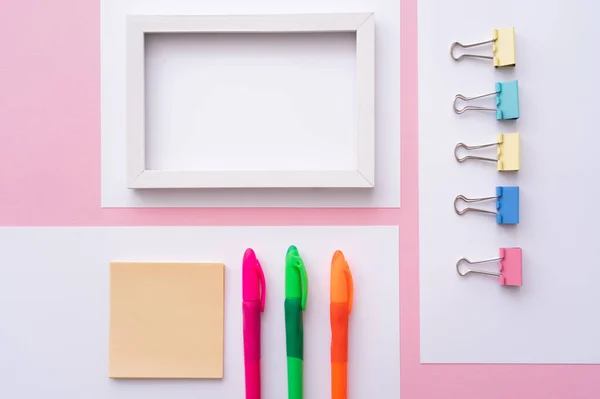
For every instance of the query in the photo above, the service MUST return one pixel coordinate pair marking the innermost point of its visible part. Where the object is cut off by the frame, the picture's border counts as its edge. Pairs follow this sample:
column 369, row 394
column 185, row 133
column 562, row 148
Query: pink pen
column 254, row 291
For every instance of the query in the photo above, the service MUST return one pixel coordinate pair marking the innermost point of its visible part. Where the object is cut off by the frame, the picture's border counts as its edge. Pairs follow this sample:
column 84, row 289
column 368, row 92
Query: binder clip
column 507, row 205
column 508, row 152
column 503, row 48
column 507, row 101
column 511, row 267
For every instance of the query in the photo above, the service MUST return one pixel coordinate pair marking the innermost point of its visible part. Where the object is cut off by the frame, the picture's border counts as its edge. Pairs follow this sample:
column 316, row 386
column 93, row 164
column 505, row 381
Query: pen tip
column 338, row 255
column 292, row 248
column 249, row 254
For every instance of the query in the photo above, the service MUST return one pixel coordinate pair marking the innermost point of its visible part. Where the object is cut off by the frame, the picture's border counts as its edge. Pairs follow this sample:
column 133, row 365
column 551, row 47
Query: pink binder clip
column 511, row 262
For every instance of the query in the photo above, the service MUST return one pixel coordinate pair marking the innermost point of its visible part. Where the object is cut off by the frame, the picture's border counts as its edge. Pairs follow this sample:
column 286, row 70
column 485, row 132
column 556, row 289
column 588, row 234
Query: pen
column 254, row 292
column 296, row 291
column 342, row 296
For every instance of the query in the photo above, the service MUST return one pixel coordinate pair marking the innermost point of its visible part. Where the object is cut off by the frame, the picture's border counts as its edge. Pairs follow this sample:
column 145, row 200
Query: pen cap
column 341, row 285
column 253, row 279
column 296, row 280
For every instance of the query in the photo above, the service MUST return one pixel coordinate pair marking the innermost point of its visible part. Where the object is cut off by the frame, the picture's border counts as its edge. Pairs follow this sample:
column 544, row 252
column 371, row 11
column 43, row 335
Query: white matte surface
column 387, row 189
column 292, row 106
column 54, row 307
column 552, row 318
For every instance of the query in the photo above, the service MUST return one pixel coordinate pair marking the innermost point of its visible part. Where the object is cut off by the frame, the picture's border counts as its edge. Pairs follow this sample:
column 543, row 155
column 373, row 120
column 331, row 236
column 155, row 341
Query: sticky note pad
column 166, row 320
column 504, row 47
column 509, row 152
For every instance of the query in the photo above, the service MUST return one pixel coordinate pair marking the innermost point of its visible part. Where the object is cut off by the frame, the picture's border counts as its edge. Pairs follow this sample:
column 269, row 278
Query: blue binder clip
column 507, row 205
column 507, row 101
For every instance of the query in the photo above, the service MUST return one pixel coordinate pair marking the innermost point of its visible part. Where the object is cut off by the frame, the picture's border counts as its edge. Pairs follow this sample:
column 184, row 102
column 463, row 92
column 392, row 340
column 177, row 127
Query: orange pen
column 342, row 293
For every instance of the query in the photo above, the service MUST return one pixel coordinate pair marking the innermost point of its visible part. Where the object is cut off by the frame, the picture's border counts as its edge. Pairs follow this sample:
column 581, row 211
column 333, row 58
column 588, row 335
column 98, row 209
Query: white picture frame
column 139, row 177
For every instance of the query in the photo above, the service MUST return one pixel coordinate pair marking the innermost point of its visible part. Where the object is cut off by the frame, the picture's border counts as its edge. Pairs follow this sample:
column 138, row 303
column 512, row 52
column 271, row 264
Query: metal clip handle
column 457, row 44
column 470, row 148
column 470, row 200
column 471, row 107
column 466, row 270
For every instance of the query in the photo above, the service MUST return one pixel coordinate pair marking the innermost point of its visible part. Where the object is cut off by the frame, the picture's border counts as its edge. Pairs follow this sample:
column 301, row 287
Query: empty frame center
column 251, row 101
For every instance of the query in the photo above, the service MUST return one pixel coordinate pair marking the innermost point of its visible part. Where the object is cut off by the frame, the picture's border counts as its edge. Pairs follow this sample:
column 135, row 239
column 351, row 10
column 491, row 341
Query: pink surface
column 50, row 175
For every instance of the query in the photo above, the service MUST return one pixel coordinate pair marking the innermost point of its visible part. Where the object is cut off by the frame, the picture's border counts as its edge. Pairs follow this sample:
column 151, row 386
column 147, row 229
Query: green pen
column 296, row 291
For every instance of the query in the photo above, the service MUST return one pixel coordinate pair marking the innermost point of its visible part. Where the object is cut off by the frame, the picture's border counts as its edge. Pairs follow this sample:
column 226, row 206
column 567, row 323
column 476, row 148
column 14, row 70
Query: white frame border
column 140, row 177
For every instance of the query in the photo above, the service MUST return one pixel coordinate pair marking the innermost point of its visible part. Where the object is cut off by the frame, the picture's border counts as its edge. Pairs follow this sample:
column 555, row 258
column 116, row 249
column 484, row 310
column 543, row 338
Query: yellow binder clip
column 503, row 48
column 509, row 157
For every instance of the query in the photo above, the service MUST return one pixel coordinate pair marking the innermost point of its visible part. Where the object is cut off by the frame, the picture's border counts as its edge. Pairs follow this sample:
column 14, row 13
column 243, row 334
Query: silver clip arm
column 473, row 147
column 457, row 44
column 471, row 107
column 466, row 270
column 470, row 200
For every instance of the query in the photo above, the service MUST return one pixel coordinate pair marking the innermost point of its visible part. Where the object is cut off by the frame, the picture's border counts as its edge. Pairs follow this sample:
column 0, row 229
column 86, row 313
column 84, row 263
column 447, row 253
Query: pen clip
column 263, row 285
column 350, row 285
column 304, row 279
column 340, row 268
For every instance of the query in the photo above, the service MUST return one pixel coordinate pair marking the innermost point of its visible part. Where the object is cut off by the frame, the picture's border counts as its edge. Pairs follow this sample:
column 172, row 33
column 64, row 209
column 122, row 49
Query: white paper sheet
column 386, row 192
column 552, row 317
column 54, row 307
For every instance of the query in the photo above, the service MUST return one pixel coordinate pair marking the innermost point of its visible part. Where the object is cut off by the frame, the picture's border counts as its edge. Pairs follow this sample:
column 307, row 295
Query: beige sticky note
column 166, row 320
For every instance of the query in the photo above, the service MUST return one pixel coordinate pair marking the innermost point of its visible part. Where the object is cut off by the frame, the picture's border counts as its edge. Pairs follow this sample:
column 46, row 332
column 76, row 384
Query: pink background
column 50, row 176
